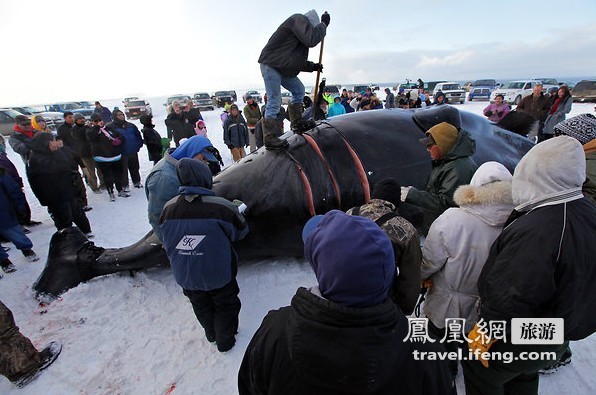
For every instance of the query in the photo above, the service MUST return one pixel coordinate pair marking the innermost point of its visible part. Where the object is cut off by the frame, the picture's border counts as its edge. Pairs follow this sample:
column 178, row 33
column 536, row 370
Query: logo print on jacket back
column 189, row 242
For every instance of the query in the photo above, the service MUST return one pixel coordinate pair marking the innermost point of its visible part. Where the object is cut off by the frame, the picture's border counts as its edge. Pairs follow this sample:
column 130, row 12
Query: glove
column 230, row 146
column 404, row 193
column 116, row 142
column 488, row 113
column 479, row 342
column 318, row 67
column 326, row 18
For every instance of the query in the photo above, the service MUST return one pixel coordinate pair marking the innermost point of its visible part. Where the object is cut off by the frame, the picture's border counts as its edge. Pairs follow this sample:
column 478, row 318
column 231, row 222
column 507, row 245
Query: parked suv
column 585, row 90
column 481, row 89
column 407, row 87
column 53, row 119
column 452, row 90
column 135, row 108
column 180, row 98
column 286, row 98
column 360, row 88
column 255, row 95
column 548, row 83
column 70, row 106
column 7, row 121
column 514, row 91
column 203, row 101
column 220, row 98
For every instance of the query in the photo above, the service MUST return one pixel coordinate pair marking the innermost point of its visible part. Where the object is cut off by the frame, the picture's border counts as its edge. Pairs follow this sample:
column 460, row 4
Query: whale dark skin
column 332, row 166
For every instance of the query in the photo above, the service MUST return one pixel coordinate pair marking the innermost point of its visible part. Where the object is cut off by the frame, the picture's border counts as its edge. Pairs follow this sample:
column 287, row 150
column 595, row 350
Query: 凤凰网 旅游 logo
column 189, row 242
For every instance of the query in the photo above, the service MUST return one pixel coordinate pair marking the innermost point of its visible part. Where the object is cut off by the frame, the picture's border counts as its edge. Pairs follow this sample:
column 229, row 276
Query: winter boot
column 123, row 193
column 30, row 255
column 7, row 266
column 48, row 355
column 298, row 124
column 295, row 113
column 271, row 133
column 112, row 196
column 564, row 360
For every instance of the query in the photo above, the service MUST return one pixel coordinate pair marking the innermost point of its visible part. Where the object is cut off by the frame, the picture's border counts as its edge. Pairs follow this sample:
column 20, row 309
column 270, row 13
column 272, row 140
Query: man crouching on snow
column 344, row 336
column 198, row 229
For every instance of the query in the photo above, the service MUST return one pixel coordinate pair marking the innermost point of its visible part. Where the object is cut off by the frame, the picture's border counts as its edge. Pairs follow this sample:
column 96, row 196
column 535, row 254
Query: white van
column 514, row 91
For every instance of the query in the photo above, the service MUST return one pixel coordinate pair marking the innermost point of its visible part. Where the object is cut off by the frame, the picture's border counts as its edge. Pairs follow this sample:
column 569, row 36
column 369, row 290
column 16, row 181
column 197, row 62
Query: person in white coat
column 459, row 242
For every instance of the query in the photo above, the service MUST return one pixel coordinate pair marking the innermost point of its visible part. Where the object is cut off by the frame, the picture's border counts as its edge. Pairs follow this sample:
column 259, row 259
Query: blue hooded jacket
column 11, row 199
column 198, row 229
column 133, row 141
column 162, row 183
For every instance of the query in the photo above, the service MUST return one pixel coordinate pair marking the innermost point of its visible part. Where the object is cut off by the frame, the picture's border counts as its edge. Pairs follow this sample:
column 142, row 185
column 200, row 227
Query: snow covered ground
column 138, row 335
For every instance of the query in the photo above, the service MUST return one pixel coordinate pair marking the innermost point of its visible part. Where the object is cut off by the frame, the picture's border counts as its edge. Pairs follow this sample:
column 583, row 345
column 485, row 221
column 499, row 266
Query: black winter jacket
column 177, row 123
column 152, row 140
column 542, row 265
column 287, row 49
column 316, row 346
column 101, row 145
column 50, row 173
column 191, row 117
column 64, row 133
column 81, row 144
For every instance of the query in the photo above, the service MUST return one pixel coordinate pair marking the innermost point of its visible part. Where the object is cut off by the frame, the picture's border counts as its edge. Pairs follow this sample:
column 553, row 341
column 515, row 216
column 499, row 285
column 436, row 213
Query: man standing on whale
column 282, row 59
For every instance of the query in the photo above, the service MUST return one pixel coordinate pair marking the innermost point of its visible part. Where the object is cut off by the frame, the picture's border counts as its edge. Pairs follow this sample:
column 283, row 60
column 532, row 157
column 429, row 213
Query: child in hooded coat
column 205, row 266
column 151, row 138
column 200, row 128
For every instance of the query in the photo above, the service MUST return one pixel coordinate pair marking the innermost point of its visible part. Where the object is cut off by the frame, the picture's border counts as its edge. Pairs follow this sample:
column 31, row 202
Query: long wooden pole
column 318, row 75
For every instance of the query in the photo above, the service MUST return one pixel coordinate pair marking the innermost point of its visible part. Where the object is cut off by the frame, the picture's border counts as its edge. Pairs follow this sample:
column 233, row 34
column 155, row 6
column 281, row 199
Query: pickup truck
column 482, row 89
column 203, row 101
column 452, row 90
column 134, row 109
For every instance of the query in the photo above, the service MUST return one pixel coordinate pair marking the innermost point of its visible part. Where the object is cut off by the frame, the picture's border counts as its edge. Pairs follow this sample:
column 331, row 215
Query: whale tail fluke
column 74, row 259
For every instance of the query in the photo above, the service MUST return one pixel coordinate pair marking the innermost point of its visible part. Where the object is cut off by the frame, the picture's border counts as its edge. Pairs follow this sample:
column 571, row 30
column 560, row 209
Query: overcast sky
column 63, row 50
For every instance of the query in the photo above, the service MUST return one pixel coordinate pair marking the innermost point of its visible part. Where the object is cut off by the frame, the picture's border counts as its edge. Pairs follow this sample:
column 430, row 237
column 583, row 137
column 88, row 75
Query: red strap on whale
column 360, row 170
column 313, row 144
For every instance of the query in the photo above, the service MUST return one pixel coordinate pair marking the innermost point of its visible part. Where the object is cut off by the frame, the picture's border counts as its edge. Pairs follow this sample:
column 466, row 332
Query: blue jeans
column 17, row 237
column 273, row 83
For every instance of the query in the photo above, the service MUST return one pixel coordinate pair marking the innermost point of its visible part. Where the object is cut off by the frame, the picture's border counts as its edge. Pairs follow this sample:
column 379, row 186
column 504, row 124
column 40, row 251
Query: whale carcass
column 332, row 166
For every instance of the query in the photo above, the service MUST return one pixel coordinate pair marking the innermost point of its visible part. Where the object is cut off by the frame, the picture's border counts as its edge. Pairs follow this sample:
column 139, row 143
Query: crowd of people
column 497, row 245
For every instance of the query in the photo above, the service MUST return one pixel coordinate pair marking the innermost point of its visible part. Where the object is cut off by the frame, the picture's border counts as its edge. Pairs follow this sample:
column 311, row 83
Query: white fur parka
column 459, row 242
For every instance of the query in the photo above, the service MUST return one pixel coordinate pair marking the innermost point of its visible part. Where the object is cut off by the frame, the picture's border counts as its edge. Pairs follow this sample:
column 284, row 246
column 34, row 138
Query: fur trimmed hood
column 498, row 192
column 488, row 196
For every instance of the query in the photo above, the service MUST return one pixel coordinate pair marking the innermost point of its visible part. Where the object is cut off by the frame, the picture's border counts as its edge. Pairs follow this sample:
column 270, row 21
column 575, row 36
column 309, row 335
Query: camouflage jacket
column 406, row 245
